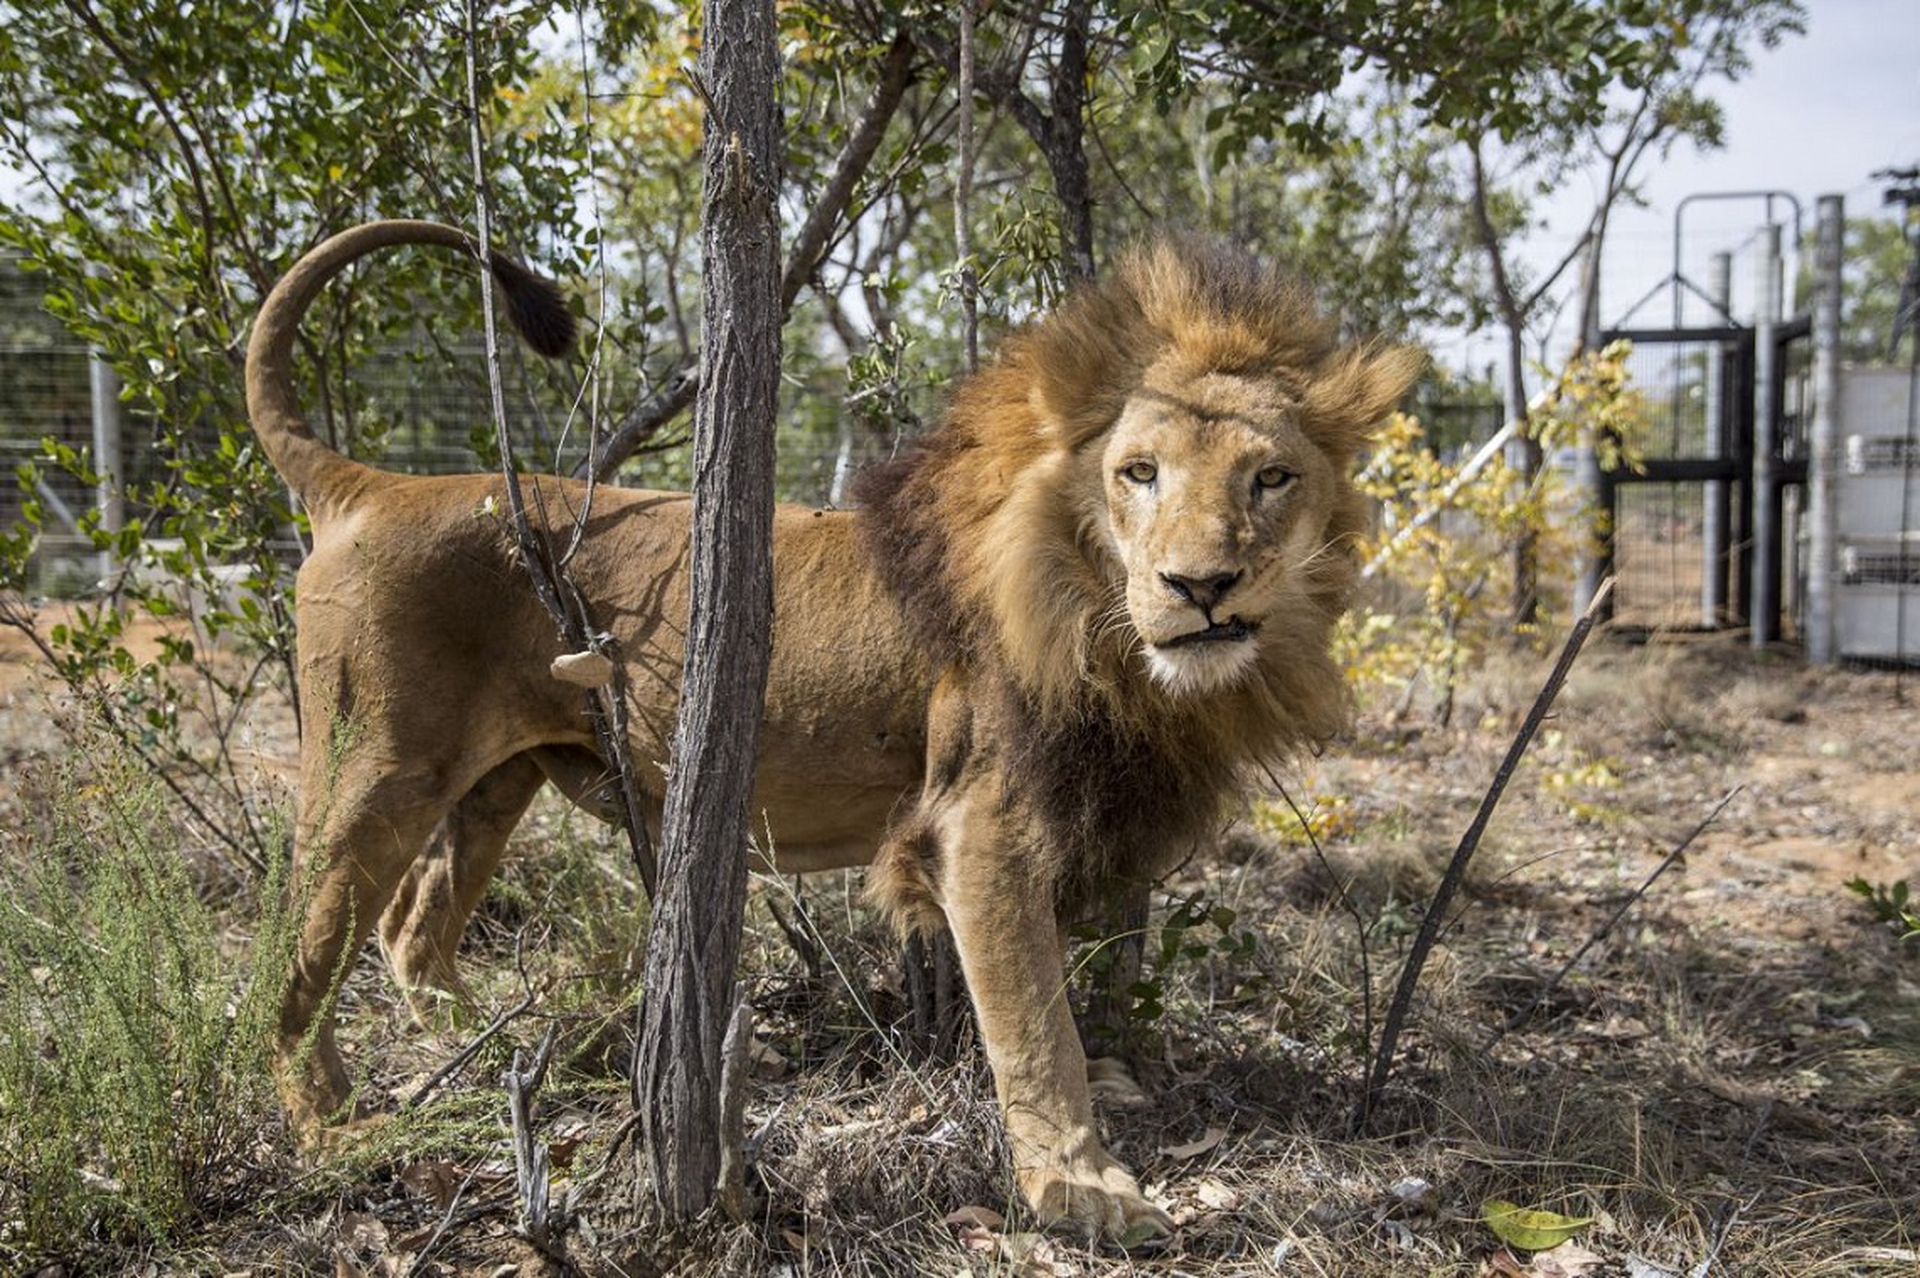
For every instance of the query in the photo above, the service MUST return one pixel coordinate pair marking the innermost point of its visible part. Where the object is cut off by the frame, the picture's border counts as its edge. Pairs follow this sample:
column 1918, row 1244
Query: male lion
column 1039, row 660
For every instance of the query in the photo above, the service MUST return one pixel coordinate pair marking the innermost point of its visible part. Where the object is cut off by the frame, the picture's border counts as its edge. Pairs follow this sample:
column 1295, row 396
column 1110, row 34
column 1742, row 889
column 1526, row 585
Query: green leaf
column 1529, row 1229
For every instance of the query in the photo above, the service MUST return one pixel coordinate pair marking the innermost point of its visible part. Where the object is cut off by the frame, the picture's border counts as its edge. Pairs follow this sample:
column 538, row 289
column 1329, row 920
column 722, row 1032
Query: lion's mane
column 991, row 545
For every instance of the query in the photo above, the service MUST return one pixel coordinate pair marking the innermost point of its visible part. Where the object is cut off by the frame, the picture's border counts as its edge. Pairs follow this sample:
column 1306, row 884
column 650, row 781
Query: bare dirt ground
column 1726, row 1084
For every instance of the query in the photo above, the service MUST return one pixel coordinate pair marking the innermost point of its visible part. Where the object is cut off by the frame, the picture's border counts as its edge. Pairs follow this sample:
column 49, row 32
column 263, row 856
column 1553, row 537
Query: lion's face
column 1217, row 502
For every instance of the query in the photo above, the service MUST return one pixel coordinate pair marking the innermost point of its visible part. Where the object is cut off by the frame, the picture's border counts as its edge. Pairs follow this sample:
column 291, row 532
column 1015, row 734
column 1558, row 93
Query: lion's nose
column 1202, row 591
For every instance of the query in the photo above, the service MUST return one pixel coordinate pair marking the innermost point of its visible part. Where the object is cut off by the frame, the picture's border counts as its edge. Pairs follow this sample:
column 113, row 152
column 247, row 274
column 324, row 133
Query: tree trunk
column 1066, row 142
column 1060, row 131
column 1524, row 453
column 695, row 943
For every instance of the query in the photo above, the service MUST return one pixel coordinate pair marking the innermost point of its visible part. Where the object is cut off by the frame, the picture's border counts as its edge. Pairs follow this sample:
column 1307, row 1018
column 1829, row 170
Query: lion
column 1038, row 658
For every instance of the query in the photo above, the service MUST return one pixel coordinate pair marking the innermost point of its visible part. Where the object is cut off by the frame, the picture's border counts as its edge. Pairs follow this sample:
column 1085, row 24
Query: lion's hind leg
column 362, row 824
column 421, row 927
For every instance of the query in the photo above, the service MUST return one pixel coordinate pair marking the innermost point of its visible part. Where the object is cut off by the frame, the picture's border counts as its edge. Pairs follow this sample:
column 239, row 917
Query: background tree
column 1875, row 263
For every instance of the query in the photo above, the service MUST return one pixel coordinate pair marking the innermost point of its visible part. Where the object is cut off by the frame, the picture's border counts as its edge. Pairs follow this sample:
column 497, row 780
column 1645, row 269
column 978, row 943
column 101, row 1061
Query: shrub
column 134, row 1092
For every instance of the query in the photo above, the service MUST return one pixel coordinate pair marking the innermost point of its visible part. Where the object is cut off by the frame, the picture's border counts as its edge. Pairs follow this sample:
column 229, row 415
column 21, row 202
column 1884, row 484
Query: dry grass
column 1731, row 1077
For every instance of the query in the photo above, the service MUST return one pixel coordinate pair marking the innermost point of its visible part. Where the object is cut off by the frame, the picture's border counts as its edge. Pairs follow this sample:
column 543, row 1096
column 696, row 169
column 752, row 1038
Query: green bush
column 1891, row 903
column 134, row 1093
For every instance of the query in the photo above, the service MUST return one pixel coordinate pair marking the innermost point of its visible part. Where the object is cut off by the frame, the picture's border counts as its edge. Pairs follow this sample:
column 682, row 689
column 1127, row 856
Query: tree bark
column 689, row 994
column 1066, row 142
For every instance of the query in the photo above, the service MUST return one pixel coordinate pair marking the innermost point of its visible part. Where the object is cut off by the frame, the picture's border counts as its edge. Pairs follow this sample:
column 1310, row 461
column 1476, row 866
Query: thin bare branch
column 1430, row 925
column 1546, row 991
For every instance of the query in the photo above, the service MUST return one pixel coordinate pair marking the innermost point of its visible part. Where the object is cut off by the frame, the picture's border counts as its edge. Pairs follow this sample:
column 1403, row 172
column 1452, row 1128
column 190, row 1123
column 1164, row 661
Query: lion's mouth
column 1232, row 630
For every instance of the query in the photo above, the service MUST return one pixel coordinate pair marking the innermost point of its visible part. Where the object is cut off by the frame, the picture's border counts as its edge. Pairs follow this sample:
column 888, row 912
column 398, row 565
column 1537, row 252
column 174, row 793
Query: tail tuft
column 537, row 308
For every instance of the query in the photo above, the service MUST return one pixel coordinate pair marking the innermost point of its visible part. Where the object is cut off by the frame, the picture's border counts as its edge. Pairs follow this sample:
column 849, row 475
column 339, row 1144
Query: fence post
column 1765, row 622
column 1715, row 556
column 1823, row 446
column 104, row 386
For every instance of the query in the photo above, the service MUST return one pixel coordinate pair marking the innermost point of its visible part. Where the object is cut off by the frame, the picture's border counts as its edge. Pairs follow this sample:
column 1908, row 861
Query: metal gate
column 1719, row 495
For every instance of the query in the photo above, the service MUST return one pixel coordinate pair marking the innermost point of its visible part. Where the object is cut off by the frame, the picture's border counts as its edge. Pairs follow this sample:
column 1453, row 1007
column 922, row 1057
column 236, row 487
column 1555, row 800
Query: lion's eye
column 1140, row 472
column 1272, row 478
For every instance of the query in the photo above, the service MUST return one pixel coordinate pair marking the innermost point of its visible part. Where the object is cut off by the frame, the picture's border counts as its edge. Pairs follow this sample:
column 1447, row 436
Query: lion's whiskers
column 1322, row 554
column 1116, row 620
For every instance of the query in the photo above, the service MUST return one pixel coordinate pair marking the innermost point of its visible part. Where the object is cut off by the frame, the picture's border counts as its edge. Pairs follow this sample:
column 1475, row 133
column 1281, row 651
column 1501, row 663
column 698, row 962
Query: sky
column 1816, row 116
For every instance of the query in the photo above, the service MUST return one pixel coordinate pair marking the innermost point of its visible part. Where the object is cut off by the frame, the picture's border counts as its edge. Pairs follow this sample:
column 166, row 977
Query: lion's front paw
column 1096, row 1197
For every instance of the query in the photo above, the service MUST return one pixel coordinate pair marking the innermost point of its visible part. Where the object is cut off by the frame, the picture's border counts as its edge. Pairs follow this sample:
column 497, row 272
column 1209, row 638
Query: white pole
column 1713, row 494
column 1766, row 445
column 104, row 385
column 1823, row 446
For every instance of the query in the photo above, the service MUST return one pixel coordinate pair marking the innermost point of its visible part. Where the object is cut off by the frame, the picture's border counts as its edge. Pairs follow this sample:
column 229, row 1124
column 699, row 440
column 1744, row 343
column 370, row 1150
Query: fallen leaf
column 1638, row 1268
column 436, row 1180
column 982, row 1217
column 1034, row 1254
column 766, row 1061
column 1215, row 1194
column 1570, row 1260
column 363, row 1232
column 1194, row 1149
column 1527, row 1229
column 1622, row 1028
column 1503, row 1264
column 977, row 1238
column 1412, row 1201
column 1399, row 1235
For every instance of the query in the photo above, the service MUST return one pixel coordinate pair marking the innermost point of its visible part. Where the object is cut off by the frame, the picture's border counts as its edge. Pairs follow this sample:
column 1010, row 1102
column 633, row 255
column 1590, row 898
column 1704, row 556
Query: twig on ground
column 1727, row 1223
column 803, row 947
column 1525, row 1014
column 1429, row 932
column 735, row 1050
column 451, row 1218
column 530, row 1179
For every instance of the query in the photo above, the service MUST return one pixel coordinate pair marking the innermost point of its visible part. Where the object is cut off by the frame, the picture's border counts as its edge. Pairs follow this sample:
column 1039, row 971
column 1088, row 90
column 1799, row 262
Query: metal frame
column 1734, row 471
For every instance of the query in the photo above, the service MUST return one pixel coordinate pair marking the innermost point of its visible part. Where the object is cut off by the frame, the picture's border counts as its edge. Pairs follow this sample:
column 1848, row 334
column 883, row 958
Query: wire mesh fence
column 424, row 411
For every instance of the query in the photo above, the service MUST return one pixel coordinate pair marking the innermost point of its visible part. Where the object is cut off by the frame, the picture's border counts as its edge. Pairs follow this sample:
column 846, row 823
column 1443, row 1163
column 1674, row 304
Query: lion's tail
column 322, row 478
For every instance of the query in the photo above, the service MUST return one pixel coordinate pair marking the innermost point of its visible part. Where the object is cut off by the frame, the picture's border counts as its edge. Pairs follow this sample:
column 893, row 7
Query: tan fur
column 970, row 680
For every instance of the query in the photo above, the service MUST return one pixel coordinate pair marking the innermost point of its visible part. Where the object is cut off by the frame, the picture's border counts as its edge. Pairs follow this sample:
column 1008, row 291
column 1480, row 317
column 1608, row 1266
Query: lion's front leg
column 1011, row 952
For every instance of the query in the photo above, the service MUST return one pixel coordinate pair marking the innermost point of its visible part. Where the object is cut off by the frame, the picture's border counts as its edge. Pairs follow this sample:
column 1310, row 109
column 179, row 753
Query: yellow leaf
column 1527, row 1229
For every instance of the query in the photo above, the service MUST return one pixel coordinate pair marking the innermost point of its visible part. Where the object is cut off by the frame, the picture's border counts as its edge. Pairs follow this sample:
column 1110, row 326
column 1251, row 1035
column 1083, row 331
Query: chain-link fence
column 420, row 411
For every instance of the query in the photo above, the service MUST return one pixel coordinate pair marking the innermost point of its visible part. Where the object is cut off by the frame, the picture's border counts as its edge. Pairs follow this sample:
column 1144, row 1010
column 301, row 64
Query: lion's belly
column 822, row 804
column 843, row 741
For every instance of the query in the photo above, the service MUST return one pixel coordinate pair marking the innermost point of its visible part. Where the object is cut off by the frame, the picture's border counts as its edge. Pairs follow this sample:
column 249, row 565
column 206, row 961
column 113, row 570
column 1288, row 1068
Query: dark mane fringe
column 1121, row 804
column 907, row 548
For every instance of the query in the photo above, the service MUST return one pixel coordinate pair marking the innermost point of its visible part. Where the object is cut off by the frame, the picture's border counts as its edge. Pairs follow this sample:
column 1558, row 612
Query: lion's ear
column 1357, row 387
